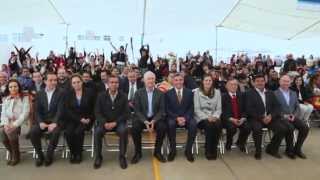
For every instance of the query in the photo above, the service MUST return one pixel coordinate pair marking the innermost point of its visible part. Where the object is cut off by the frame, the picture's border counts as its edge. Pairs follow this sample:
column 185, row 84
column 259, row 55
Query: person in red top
column 233, row 115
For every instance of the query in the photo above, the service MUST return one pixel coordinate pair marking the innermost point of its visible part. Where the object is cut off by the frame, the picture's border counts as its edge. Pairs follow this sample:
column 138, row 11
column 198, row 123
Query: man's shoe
column 136, row 158
column 171, row 156
column 189, row 157
column 258, row 156
column 123, row 162
column 301, row 155
column 160, row 157
column 290, row 155
column 97, row 163
column 274, row 154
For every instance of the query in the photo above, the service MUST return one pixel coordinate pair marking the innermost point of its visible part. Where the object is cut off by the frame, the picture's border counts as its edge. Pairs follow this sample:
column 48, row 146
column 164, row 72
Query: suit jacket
column 175, row 109
column 290, row 65
column 141, row 105
column 293, row 107
column 255, row 108
column 100, row 86
column 108, row 111
column 305, row 92
column 74, row 112
column 227, row 106
column 51, row 113
column 34, row 88
column 189, row 82
column 125, row 85
column 205, row 106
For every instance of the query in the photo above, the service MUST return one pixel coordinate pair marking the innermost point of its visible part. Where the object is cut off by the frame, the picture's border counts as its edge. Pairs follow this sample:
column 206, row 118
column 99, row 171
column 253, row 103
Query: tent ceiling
column 28, row 12
column 281, row 19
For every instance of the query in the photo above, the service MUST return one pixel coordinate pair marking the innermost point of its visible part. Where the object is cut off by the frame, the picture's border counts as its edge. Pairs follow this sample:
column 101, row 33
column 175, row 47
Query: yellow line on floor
column 155, row 164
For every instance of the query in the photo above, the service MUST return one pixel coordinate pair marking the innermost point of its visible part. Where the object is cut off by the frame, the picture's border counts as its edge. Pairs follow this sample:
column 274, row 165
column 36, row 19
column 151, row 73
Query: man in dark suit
column 131, row 82
column 262, row 111
column 48, row 119
column 130, row 85
column 102, row 84
column 37, row 82
column 149, row 111
column 290, row 108
column 63, row 81
column 290, row 64
column 179, row 111
column 234, row 116
column 112, row 113
column 88, row 81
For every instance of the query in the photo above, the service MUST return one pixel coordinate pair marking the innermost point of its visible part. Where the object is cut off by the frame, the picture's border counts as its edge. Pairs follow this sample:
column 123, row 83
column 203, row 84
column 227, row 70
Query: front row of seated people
column 78, row 109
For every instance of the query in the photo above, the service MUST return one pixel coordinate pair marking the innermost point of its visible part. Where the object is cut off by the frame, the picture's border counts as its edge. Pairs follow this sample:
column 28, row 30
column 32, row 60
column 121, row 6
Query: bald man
column 290, row 111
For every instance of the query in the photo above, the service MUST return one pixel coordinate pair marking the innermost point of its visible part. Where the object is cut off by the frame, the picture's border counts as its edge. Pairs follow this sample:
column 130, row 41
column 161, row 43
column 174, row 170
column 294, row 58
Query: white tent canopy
column 29, row 12
column 277, row 18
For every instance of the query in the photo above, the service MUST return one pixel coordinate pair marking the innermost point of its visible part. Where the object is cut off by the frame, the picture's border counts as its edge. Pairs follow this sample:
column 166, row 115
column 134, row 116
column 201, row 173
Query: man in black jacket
column 263, row 110
column 112, row 113
column 234, row 116
column 290, row 64
column 48, row 119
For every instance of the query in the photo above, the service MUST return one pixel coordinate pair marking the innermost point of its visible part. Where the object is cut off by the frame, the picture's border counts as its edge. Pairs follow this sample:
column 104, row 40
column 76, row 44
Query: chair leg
column 92, row 143
column 197, row 144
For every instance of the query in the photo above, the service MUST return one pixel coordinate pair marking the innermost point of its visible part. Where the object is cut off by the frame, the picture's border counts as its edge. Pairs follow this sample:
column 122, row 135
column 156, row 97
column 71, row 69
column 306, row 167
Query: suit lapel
column 53, row 98
column 154, row 96
column 45, row 99
column 145, row 99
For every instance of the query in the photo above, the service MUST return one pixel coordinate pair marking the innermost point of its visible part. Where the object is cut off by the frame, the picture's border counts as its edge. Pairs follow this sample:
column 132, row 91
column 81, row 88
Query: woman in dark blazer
column 79, row 116
column 304, row 95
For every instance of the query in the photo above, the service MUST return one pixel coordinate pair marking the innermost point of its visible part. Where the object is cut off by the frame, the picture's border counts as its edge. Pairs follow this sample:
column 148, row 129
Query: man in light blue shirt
column 290, row 110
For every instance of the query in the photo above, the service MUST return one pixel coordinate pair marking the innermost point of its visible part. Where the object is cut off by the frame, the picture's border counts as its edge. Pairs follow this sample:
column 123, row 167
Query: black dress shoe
column 160, row 157
column 78, row 159
column 39, row 162
column 97, row 163
column 123, row 162
column 241, row 147
column 228, row 146
column 48, row 161
column 171, row 156
column 290, row 155
column 273, row 154
column 257, row 156
column 189, row 157
column 210, row 156
column 72, row 159
column 136, row 158
column 301, row 155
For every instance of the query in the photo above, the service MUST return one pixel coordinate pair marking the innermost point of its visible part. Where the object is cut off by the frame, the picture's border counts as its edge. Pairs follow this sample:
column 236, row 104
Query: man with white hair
column 290, row 112
column 149, row 114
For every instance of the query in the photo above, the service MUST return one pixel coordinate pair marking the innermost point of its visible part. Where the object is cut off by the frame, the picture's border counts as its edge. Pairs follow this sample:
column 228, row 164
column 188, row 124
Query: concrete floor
column 233, row 165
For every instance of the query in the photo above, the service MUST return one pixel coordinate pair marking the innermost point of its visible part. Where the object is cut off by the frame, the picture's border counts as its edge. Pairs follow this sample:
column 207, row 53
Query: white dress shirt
column 49, row 95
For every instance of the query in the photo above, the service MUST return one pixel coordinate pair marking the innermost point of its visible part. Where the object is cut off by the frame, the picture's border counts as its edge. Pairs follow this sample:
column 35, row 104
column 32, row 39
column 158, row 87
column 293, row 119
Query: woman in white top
column 15, row 110
column 207, row 111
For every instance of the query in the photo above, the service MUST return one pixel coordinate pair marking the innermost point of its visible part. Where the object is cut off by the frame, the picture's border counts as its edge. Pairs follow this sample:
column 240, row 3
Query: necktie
column 131, row 92
column 179, row 96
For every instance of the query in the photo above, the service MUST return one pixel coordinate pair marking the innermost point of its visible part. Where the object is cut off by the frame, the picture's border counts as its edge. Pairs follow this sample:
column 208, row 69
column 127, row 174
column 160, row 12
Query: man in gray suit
column 289, row 105
column 149, row 111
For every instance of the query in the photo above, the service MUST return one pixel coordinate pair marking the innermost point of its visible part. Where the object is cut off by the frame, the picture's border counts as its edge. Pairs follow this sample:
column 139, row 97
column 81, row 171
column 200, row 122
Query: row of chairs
column 147, row 143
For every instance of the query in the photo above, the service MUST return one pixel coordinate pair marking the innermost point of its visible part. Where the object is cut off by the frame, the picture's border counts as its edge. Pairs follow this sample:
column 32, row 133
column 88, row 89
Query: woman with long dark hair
column 79, row 108
column 15, row 110
column 304, row 96
column 207, row 110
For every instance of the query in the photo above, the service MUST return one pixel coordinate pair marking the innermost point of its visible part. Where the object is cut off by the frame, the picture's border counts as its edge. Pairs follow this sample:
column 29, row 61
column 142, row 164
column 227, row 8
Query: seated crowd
column 69, row 95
